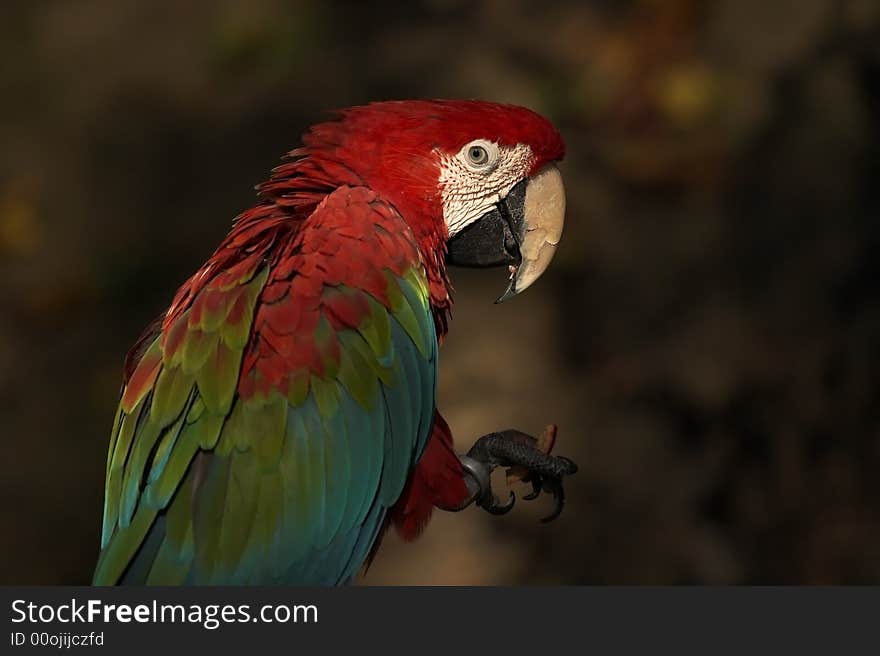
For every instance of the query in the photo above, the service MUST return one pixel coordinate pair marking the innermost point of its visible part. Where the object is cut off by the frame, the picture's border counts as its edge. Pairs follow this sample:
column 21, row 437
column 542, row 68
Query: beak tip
column 508, row 294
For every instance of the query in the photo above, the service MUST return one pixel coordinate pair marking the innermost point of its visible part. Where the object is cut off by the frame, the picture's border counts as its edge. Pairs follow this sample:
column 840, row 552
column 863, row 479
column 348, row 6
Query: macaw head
column 476, row 181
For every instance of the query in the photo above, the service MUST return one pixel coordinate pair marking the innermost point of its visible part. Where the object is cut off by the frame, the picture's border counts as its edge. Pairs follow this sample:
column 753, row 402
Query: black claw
column 555, row 488
column 535, row 480
column 495, row 507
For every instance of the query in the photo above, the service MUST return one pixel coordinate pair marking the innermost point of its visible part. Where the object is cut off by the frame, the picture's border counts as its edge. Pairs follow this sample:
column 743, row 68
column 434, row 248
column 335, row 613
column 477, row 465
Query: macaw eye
column 480, row 154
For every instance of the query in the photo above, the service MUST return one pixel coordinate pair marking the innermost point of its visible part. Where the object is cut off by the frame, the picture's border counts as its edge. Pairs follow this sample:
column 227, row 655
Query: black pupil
column 477, row 154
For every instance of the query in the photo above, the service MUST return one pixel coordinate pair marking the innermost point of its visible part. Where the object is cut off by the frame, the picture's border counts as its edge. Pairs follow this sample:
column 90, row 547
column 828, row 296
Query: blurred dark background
column 708, row 338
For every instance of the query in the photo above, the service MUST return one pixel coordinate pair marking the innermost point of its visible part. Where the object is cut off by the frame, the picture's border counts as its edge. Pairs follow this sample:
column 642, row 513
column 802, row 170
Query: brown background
column 707, row 338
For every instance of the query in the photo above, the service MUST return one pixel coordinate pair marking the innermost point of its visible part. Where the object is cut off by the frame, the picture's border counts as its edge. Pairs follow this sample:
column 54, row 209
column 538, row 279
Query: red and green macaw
column 281, row 413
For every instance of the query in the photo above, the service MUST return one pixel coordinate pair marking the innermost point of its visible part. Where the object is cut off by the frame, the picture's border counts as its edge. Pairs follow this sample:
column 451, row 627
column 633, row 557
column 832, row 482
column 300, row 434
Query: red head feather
column 393, row 147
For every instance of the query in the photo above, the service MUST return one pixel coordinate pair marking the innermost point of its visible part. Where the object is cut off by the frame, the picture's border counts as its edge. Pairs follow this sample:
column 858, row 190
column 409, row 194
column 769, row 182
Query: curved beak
column 522, row 231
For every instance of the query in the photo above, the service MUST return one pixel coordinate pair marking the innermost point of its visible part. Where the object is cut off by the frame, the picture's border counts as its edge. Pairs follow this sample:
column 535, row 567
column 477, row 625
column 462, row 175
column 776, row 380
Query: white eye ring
column 479, row 155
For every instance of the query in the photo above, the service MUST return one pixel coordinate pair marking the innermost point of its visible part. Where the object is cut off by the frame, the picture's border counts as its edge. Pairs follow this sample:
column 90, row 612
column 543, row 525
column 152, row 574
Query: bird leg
column 528, row 460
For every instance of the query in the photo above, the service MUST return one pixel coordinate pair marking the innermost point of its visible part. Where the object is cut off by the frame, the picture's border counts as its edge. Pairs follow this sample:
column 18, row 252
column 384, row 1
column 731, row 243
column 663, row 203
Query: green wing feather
column 286, row 487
